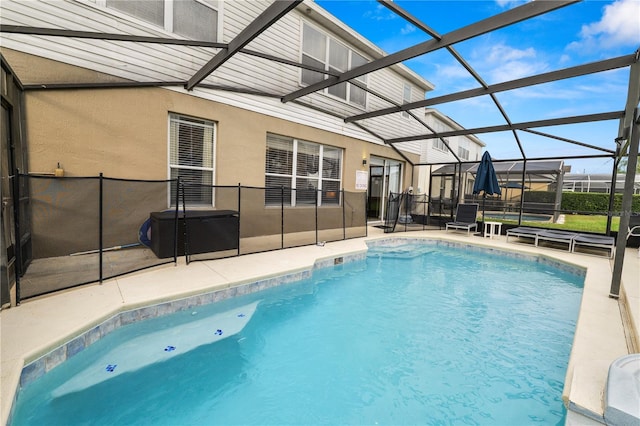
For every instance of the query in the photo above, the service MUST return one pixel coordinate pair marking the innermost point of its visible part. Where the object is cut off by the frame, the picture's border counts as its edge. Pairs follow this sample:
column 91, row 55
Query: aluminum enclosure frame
column 626, row 140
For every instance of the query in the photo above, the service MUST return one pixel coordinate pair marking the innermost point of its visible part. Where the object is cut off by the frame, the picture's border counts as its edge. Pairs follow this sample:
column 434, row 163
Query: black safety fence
column 275, row 218
column 407, row 212
column 81, row 230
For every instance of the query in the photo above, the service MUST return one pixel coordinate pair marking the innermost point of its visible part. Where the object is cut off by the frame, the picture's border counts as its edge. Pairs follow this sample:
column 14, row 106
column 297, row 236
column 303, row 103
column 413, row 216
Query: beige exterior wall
column 123, row 133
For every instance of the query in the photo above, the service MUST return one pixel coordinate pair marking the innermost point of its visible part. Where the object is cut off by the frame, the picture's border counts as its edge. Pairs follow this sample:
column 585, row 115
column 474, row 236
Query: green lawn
column 575, row 222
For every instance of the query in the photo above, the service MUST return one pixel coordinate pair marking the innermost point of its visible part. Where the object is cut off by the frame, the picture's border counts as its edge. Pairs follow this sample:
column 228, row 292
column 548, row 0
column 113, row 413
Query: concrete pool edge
column 125, row 293
column 131, row 313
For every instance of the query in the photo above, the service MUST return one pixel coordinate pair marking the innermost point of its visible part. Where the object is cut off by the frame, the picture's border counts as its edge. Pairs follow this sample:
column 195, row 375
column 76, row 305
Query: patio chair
column 596, row 241
column 634, row 229
column 466, row 214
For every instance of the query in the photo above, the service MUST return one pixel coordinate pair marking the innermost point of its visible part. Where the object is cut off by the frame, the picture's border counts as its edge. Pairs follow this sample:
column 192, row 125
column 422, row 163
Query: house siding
column 155, row 62
column 123, row 132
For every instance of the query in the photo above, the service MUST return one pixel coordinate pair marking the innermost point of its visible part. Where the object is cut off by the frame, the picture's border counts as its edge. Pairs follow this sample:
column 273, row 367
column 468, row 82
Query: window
column 406, row 98
column 195, row 19
column 147, row 10
column 463, row 149
column 356, row 94
column 304, row 169
column 439, row 145
column 191, row 157
column 463, row 153
column 322, row 51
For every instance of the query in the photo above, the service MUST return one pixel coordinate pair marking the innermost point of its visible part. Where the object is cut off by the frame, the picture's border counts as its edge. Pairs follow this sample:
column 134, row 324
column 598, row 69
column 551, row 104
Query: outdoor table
column 492, row 229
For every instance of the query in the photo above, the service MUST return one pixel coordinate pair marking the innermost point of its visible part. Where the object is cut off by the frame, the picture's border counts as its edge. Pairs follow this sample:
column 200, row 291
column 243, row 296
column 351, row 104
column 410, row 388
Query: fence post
column 239, row 214
column 364, row 210
column 100, row 225
column 524, row 177
column 179, row 193
column 344, row 220
column 281, row 216
column 16, row 230
column 627, row 199
column 612, row 193
column 316, row 212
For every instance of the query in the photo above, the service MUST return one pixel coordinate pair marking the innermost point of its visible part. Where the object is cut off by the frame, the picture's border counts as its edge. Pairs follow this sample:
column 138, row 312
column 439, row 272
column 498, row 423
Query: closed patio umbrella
column 486, row 180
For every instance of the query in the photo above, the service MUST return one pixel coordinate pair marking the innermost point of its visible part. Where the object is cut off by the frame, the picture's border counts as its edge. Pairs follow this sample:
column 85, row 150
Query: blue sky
column 580, row 33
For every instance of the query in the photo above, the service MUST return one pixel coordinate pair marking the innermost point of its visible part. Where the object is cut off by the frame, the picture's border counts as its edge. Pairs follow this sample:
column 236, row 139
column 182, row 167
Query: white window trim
column 168, row 16
column 325, row 61
column 294, row 176
column 170, row 200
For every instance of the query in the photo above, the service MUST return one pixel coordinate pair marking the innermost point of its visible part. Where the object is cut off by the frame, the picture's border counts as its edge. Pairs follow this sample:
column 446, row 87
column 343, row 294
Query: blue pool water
column 416, row 334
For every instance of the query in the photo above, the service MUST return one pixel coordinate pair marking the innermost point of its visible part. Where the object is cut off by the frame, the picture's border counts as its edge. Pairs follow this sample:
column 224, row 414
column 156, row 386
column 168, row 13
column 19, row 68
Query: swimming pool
column 417, row 333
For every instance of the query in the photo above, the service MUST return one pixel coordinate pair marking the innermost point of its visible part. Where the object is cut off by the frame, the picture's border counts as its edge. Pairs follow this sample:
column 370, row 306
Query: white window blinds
column 195, row 20
column 192, row 158
column 147, row 10
column 305, row 170
column 439, row 145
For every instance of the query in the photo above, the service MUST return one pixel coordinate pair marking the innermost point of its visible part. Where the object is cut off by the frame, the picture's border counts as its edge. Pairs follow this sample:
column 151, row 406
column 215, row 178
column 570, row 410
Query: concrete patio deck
column 39, row 325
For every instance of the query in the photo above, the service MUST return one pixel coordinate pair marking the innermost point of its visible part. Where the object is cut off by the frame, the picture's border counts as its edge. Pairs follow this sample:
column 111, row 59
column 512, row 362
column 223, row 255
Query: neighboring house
column 231, row 128
column 586, row 182
column 444, row 150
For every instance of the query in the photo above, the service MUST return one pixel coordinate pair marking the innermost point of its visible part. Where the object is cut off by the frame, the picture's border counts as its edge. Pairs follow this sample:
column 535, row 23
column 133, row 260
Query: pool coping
column 41, row 357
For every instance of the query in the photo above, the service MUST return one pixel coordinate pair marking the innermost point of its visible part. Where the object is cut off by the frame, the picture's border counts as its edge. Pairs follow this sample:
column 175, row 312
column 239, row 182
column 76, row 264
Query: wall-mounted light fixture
column 364, row 161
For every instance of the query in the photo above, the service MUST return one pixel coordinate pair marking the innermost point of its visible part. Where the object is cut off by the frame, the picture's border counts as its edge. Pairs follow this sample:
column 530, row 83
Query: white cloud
column 543, row 92
column 500, row 62
column 452, row 71
column 564, row 59
column 380, row 13
column 508, row 3
column 407, row 29
column 501, row 53
column 513, row 70
column 619, row 25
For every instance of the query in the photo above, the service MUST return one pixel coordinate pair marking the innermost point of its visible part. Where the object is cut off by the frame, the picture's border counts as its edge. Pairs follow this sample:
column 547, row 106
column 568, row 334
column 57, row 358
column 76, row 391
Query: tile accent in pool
column 52, row 359
column 340, row 260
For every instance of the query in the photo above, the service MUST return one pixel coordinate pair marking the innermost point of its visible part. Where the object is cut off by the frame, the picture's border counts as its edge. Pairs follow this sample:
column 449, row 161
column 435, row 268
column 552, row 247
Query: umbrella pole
column 484, row 196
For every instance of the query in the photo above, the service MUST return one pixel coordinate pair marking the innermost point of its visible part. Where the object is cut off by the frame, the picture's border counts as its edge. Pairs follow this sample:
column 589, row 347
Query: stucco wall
column 123, row 133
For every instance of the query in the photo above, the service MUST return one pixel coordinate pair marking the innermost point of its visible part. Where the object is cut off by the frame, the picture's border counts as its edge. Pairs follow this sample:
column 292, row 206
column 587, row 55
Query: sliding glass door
column 385, row 176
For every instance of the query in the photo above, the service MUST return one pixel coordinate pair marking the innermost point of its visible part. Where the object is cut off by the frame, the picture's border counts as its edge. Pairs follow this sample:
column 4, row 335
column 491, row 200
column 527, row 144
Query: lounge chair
column 597, row 241
column 524, row 232
column 466, row 218
column 557, row 237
